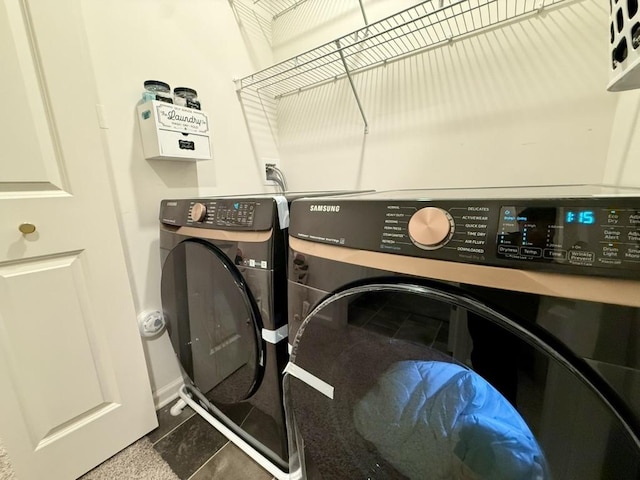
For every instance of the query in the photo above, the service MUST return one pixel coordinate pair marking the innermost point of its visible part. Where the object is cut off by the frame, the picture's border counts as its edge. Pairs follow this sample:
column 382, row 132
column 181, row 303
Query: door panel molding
column 28, row 109
column 40, row 299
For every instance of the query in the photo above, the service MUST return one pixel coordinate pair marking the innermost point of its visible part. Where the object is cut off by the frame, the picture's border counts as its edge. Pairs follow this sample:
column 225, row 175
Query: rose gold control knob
column 198, row 212
column 430, row 228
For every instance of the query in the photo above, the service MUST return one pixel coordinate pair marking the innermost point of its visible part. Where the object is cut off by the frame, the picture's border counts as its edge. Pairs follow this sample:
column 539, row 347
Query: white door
column 74, row 388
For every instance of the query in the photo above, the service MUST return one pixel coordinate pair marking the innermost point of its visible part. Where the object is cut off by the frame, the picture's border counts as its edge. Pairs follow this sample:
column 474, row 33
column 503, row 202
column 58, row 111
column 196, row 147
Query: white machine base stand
column 185, row 399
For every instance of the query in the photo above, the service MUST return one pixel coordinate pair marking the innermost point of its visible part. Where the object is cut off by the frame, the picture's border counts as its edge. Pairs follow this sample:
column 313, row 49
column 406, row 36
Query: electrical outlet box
column 265, row 162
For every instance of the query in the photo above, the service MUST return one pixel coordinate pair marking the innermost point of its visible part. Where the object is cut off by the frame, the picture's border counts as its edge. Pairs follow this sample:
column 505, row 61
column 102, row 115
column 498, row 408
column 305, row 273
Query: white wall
column 521, row 104
column 623, row 163
column 195, row 44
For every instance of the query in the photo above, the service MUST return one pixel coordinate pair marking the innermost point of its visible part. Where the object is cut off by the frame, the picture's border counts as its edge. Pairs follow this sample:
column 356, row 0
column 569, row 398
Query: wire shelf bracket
column 353, row 88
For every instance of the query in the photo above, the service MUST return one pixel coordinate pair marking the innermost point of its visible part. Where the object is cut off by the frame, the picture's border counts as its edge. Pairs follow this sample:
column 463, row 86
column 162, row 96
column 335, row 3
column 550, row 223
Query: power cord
column 275, row 174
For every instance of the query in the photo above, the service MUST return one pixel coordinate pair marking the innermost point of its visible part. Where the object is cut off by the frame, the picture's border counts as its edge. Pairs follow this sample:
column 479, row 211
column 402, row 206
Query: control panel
column 225, row 214
column 593, row 235
column 569, row 235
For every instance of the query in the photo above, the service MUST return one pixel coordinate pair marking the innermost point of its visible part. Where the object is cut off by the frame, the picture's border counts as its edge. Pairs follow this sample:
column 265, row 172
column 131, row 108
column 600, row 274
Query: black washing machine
column 465, row 334
column 224, row 299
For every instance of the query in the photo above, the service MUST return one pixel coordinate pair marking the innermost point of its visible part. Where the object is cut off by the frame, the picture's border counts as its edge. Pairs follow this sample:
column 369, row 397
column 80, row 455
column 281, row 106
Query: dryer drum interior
column 215, row 328
column 401, row 378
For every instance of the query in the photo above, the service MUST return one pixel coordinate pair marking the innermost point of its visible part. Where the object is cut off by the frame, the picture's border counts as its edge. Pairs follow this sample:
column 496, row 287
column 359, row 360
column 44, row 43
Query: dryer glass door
column 213, row 323
column 380, row 385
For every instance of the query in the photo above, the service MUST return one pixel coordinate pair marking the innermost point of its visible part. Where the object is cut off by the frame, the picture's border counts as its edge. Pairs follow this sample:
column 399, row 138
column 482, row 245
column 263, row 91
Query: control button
column 610, row 251
column 506, row 249
column 430, row 228
column 533, row 252
column 612, row 234
column 632, row 254
column 555, row 254
column 581, row 256
column 633, row 236
column 198, row 212
column 613, row 218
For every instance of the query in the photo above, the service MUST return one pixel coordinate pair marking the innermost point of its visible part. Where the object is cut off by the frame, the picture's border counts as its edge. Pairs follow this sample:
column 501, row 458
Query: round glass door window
column 212, row 321
column 410, row 382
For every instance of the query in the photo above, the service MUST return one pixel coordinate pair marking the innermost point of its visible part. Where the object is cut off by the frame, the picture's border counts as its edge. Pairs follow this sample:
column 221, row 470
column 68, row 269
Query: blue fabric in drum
column 439, row 420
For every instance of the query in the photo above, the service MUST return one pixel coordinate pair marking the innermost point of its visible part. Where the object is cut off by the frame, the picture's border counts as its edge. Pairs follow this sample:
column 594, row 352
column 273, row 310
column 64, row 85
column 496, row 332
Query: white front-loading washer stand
column 185, row 399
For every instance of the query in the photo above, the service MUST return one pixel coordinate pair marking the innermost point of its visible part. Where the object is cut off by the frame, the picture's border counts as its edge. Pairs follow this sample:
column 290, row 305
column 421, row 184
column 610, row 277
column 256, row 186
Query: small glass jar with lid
column 157, row 90
column 187, row 97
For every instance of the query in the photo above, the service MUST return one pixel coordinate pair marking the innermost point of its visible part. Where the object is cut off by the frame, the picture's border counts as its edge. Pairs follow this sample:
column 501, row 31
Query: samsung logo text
column 324, row 208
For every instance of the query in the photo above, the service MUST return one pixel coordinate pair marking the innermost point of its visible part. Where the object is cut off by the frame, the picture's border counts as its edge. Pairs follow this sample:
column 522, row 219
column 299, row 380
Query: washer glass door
column 213, row 322
column 395, row 381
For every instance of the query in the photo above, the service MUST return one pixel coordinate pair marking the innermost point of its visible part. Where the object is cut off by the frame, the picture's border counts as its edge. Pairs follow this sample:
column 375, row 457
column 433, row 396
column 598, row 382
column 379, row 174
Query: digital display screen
column 549, row 234
column 585, row 217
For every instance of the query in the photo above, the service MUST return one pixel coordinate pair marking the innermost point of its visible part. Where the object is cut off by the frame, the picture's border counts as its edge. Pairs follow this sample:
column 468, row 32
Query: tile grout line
column 173, row 429
column 208, row 460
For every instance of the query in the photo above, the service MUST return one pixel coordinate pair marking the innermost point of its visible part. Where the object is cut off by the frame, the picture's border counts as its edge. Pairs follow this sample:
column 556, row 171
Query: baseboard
column 167, row 394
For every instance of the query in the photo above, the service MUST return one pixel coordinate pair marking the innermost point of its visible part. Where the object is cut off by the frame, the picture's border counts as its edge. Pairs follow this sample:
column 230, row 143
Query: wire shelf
column 277, row 8
column 423, row 26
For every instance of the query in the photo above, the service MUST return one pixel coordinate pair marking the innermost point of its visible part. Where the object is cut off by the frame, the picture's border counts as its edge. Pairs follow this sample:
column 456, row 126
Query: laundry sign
column 175, row 117
column 172, row 132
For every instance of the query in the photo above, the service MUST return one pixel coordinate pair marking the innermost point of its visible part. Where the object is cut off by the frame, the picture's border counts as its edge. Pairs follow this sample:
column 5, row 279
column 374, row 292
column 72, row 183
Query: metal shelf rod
column 364, row 12
column 353, row 88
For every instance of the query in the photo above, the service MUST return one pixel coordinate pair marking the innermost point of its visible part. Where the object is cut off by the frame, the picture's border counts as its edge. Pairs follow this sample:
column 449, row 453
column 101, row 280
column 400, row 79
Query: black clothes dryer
column 465, row 334
column 221, row 262
column 223, row 294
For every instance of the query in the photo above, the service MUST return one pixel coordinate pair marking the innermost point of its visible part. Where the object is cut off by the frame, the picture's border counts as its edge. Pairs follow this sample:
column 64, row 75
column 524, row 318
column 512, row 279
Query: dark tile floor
column 196, row 451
